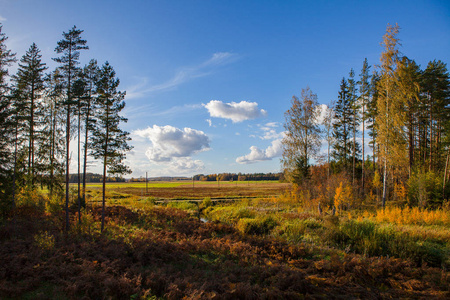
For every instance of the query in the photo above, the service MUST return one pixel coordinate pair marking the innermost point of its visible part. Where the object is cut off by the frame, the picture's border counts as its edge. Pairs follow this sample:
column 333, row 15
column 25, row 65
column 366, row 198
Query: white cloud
column 236, row 112
column 256, row 154
column 275, row 150
column 322, row 111
column 184, row 165
column 169, row 142
column 270, row 133
column 183, row 75
column 209, row 122
column 2, row 19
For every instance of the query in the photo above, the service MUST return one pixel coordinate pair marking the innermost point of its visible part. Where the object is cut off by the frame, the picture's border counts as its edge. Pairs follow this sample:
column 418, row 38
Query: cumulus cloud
column 321, row 110
column 169, row 142
column 184, row 165
column 236, row 112
column 256, row 154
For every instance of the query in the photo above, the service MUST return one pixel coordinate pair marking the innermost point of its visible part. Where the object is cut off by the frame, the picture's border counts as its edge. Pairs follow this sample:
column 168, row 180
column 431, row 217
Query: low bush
column 366, row 237
column 292, row 231
column 207, row 202
column 258, row 226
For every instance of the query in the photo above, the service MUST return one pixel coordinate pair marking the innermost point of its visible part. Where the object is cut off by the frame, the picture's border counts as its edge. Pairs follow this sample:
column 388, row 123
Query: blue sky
column 208, row 82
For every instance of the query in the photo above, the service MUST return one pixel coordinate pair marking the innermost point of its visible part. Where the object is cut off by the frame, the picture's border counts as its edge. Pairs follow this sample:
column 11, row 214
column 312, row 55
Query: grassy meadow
column 237, row 241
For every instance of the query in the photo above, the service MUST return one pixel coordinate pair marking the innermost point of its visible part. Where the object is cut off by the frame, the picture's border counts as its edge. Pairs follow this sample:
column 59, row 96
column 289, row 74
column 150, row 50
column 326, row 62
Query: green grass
column 142, row 185
column 169, row 184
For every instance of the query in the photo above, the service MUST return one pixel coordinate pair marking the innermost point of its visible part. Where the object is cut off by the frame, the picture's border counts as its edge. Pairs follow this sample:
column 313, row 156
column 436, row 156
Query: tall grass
column 412, row 216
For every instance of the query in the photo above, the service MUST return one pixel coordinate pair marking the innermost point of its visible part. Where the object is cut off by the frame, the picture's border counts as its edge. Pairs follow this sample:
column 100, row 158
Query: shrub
column 30, row 196
column 54, row 205
column 256, row 226
column 425, row 189
column 292, row 231
column 365, row 237
column 207, row 202
column 44, row 241
column 184, row 205
column 343, row 197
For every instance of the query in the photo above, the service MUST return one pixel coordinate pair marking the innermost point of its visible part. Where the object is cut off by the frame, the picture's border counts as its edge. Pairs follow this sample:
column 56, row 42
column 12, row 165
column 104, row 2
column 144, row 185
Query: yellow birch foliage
column 343, row 196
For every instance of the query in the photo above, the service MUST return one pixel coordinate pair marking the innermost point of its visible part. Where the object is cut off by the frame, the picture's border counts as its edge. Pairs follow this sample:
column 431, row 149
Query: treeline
column 399, row 109
column 92, row 177
column 43, row 111
column 239, row 177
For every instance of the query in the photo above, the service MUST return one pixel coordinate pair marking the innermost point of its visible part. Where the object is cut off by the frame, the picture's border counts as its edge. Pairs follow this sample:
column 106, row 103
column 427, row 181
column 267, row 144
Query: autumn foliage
column 163, row 252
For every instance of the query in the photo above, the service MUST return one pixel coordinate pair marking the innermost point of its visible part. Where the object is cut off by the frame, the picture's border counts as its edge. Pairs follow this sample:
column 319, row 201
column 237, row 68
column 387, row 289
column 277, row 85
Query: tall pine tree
column 69, row 48
column 7, row 58
column 364, row 96
column 109, row 141
column 342, row 126
column 30, row 86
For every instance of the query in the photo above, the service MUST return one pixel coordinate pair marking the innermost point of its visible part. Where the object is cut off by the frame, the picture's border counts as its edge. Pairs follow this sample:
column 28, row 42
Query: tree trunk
column 103, row 192
column 86, row 134
column 105, row 159
column 445, row 175
column 363, row 144
column 383, row 203
column 69, row 98
column 79, row 162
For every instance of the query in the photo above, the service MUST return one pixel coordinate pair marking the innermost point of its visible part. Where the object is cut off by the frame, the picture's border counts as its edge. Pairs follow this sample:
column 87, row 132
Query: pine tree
column 372, row 117
column 436, row 92
column 364, row 96
column 7, row 58
column 354, row 117
column 51, row 152
column 90, row 74
column 30, row 85
column 328, row 124
column 69, row 47
column 342, row 126
column 79, row 90
column 408, row 87
column 302, row 140
column 109, row 142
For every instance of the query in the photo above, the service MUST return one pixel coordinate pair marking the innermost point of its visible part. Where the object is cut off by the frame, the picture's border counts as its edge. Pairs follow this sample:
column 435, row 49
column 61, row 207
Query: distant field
column 196, row 190
column 158, row 184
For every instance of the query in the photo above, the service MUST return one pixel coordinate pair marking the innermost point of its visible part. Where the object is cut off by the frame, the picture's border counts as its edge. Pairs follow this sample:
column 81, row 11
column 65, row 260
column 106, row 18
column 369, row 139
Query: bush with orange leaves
column 413, row 216
column 343, row 198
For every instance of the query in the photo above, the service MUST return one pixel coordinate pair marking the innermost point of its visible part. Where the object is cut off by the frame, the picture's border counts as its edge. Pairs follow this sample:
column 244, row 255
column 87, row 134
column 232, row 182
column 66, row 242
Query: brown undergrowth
column 165, row 253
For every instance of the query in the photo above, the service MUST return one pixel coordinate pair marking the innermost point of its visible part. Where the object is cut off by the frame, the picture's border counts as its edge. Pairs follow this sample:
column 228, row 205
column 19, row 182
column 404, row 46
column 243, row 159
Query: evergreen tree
column 372, row 116
column 302, row 139
column 79, row 90
column 408, row 87
column 328, row 124
column 364, row 96
column 436, row 94
column 109, row 142
column 51, row 152
column 90, row 74
column 354, row 117
column 342, row 126
column 69, row 47
column 30, row 86
column 7, row 58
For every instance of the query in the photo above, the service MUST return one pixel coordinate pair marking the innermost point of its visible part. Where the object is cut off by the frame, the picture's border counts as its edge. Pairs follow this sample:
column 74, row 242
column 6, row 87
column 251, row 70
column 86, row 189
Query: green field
column 168, row 184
